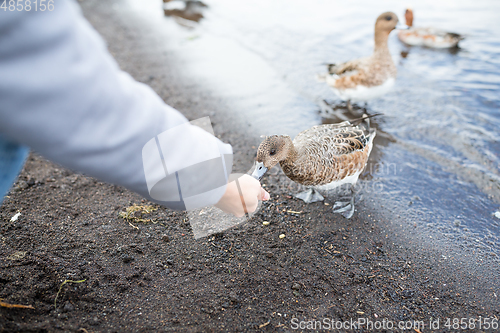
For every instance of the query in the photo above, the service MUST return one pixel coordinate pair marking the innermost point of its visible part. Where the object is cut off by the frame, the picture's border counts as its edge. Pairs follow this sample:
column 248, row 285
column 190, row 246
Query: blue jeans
column 12, row 157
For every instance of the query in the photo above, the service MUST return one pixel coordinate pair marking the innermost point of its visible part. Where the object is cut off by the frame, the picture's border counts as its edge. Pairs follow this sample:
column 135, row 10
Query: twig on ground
column 60, row 288
column 19, row 306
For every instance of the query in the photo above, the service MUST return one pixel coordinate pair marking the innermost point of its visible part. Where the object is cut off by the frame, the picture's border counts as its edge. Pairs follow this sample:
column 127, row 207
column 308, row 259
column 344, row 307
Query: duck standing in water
column 366, row 78
column 427, row 36
column 322, row 157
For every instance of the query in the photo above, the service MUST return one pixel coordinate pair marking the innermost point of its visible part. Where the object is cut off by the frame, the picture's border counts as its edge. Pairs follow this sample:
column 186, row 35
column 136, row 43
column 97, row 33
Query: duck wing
column 329, row 153
column 350, row 74
column 345, row 68
column 430, row 37
column 333, row 139
column 440, row 33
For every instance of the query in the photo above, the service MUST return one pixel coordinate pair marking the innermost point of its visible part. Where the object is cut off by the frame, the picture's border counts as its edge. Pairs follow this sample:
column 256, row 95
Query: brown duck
column 366, row 78
column 427, row 36
column 323, row 157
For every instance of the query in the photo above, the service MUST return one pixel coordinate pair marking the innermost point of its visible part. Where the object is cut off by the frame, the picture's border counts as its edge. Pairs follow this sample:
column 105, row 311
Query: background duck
column 323, row 157
column 427, row 36
column 366, row 78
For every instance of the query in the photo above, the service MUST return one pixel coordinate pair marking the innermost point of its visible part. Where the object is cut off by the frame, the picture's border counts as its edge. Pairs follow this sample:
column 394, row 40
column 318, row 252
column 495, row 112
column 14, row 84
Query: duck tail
column 331, row 68
column 455, row 36
column 365, row 120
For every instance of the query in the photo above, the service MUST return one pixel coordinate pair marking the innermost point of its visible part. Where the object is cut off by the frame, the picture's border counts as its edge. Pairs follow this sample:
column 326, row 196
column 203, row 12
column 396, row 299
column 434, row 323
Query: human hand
column 234, row 203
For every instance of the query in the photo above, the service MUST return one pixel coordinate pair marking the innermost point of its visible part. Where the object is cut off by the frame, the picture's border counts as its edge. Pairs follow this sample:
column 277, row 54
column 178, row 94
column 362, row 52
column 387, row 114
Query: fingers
column 242, row 196
column 252, row 202
column 263, row 195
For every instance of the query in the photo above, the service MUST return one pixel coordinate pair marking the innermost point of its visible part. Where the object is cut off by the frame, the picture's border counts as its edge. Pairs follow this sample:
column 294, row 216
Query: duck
column 427, row 36
column 322, row 157
column 370, row 77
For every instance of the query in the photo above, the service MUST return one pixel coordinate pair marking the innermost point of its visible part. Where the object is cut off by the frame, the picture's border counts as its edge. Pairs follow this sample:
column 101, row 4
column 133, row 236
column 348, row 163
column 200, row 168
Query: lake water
column 435, row 166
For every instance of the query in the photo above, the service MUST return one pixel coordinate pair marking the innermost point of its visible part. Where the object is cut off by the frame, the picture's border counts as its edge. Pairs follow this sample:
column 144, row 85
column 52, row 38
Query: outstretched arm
column 62, row 94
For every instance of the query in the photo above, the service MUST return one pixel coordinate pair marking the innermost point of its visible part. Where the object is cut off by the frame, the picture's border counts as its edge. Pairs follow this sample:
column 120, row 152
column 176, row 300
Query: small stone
column 121, row 287
column 18, row 255
column 265, row 223
column 497, row 214
column 31, row 181
column 295, row 286
column 233, row 297
column 126, row 259
column 165, row 238
column 22, row 185
column 15, row 217
column 62, row 316
column 282, row 236
column 169, row 262
column 68, row 307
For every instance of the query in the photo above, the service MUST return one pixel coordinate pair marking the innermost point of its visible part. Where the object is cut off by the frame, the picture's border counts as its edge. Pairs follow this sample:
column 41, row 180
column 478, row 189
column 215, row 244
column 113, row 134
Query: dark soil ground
column 153, row 276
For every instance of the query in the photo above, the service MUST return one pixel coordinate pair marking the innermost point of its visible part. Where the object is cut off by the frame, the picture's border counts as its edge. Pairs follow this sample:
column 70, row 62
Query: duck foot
column 345, row 208
column 309, row 196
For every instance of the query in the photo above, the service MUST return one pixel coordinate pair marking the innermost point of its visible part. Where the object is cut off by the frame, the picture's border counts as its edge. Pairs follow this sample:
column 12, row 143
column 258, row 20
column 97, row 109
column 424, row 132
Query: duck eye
column 272, row 152
column 388, row 17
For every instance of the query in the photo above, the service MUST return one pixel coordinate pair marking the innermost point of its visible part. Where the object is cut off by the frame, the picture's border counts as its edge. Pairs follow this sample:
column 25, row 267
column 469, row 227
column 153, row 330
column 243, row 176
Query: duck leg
column 310, row 195
column 346, row 208
column 349, row 106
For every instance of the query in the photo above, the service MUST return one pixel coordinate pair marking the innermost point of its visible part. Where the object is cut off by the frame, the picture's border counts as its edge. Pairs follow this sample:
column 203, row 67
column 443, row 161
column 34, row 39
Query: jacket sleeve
column 62, row 94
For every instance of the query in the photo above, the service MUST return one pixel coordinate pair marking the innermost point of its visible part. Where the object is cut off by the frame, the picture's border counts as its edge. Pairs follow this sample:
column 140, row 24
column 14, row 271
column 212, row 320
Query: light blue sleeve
column 62, row 94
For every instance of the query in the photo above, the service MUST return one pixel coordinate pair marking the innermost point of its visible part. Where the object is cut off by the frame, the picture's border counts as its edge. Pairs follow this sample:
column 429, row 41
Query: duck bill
column 402, row 27
column 260, row 171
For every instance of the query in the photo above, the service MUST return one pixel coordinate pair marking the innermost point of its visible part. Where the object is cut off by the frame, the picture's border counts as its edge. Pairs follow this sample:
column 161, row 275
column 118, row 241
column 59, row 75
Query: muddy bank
column 147, row 273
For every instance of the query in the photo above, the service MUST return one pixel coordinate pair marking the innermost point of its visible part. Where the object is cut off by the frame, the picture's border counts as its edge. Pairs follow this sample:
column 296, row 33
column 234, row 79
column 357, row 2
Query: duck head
column 386, row 22
column 272, row 150
column 409, row 17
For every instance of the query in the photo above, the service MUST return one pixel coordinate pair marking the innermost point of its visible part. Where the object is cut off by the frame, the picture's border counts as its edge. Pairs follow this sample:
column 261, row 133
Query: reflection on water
column 186, row 10
column 440, row 124
column 406, row 49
